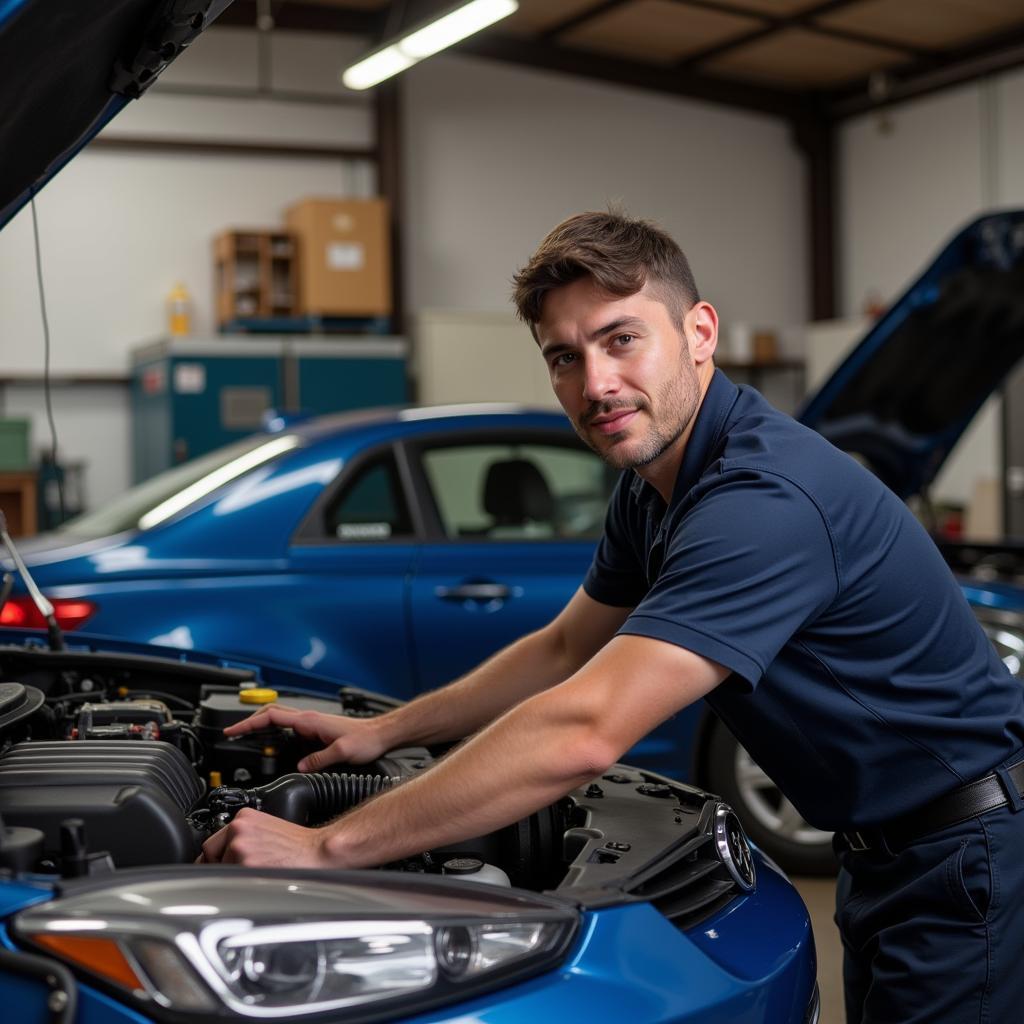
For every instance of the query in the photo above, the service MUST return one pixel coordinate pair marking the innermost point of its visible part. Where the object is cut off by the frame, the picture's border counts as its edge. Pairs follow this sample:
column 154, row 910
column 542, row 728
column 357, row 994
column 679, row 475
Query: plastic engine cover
column 133, row 797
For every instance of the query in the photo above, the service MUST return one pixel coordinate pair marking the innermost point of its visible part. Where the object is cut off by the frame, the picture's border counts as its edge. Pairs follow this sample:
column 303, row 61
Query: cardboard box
column 344, row 256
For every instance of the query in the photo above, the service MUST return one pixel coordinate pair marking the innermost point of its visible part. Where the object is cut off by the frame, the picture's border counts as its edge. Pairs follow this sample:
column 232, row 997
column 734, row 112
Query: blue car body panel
column 235, row 573
column 752, row 962
column 629, row 962
column 220, row 574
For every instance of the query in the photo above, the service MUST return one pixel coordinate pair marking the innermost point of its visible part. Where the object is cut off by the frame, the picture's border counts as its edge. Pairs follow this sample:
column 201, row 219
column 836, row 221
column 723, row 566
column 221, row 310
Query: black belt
column 968, row 801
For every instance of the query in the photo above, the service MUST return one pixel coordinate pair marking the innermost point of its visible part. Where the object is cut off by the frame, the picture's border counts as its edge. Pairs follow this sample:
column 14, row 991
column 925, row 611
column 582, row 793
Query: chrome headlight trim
column 278, row 945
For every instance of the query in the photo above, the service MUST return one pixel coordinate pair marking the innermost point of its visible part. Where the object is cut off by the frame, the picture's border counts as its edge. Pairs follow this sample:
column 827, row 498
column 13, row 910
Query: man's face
column 621, row 369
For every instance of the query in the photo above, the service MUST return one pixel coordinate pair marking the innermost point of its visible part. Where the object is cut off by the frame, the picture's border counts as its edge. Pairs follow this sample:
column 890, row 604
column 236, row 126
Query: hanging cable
column 46, row 361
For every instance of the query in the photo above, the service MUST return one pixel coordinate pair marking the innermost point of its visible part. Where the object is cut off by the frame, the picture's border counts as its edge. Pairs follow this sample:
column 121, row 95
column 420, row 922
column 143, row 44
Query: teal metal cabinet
column 190, row 396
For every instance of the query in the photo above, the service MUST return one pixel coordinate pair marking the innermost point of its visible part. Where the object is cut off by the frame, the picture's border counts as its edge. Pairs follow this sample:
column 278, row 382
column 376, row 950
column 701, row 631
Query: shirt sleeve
column 616, row 576
column 745, row 569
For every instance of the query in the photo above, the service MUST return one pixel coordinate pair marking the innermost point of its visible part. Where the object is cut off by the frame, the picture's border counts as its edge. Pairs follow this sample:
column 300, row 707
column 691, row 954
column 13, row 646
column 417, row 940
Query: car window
column 371, row 506
column 168, row 493
column 508, row 491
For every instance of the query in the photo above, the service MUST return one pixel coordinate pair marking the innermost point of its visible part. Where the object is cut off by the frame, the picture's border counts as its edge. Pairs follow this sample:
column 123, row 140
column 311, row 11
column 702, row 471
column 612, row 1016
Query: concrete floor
column 820, row 896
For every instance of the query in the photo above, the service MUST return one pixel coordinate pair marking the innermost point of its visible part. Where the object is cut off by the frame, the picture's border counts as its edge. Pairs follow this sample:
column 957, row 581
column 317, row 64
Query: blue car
column 395, row 549
column 390, row 549
column 635, row 896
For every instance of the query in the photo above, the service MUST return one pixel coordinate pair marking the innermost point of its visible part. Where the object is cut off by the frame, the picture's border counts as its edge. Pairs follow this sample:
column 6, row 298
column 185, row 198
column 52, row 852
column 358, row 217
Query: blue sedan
column 634, row 897
column 391, row 550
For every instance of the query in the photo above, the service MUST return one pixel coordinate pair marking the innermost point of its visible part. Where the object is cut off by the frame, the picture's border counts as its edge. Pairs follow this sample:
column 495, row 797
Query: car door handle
column 474, row 592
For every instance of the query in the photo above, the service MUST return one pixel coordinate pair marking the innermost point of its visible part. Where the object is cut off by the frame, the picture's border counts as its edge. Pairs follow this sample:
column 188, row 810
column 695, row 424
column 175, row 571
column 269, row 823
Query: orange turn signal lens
column 99, row 955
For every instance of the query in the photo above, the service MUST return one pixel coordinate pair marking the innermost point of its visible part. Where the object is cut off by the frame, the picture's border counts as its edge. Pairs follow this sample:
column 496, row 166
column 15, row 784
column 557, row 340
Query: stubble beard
column 679, row 395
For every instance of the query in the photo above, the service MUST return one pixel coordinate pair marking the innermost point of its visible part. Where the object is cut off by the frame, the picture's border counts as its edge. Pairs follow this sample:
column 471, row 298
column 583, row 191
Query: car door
column 353, row 557
column 512, row 521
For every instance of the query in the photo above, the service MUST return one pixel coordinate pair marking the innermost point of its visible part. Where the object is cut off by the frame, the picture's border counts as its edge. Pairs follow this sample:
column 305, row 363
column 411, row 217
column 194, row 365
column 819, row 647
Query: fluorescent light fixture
column 426, row 40
column 375, row 68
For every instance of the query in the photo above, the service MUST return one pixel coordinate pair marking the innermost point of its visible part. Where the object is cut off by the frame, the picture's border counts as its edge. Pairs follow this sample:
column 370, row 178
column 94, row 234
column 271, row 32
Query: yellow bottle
column 179, row 311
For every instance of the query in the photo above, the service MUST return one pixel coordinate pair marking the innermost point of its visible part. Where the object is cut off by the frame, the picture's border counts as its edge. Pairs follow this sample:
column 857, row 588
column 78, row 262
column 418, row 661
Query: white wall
column 497, row 155
column 494, row 157
column 91, row 432
column 119, row 228
column 909, row 180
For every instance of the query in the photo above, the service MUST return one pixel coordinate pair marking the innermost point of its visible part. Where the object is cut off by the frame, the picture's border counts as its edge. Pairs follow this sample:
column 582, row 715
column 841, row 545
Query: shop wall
column 494, row 157
column 910, row 178
column 497, row 155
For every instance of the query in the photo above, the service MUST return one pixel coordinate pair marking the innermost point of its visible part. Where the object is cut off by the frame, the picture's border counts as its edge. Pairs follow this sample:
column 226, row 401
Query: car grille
column 692, row 886
column 703, row 872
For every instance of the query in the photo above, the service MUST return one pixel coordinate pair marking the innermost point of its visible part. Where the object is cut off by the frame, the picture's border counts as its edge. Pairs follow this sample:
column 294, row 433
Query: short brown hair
column 619, row 253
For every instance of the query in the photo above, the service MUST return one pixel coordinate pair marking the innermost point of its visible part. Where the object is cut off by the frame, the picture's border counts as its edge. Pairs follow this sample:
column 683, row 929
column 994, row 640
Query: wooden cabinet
column 19, row 500
column 255, row 274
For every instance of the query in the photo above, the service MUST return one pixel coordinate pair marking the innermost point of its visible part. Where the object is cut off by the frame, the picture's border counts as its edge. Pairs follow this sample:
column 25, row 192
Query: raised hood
column 68, row 66
column 906, row 393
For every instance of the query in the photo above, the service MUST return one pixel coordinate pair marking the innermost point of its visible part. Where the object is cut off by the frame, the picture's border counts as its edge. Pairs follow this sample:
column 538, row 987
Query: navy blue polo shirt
column 861, row 681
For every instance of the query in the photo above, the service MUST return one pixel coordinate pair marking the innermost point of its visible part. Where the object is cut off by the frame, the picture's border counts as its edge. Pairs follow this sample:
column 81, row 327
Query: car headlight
column 275, row 945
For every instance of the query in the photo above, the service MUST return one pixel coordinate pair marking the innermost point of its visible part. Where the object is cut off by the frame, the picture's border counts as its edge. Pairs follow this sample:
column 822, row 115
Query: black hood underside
column 66, row 67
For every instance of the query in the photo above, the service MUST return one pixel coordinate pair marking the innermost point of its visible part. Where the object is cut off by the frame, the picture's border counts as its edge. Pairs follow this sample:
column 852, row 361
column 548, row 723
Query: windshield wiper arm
column 53, row 631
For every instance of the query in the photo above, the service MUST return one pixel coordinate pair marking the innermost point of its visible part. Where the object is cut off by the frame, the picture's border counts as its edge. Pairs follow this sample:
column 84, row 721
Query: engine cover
column 133, row 797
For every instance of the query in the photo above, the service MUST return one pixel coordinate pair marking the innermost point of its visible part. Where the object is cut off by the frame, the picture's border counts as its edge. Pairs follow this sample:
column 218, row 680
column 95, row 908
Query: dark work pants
column 934, row 933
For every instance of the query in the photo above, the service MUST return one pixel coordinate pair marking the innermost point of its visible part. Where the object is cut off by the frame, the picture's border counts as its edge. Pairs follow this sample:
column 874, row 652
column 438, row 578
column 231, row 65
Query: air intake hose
column 315, row 797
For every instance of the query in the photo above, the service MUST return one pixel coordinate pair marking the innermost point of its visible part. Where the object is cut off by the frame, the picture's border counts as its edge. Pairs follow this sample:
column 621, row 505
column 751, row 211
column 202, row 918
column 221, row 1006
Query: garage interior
column 811, row 156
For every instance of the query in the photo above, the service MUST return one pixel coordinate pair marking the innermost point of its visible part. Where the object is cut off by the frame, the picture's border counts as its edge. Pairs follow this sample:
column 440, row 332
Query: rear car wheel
column 770, row 819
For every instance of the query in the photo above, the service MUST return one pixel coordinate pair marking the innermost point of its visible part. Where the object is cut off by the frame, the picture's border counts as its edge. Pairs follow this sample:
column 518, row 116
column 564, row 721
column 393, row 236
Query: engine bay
column 114, row 760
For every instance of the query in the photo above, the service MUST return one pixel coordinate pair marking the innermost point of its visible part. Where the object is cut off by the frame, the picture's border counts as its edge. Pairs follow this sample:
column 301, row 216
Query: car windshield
column 166, row 494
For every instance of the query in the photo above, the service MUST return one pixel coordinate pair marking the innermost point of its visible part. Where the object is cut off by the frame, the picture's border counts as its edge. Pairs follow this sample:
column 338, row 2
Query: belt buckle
column 856, row 842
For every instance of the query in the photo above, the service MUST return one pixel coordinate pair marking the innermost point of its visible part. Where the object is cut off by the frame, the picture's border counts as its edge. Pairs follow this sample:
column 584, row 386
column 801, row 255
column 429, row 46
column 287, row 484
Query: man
column 746, row 561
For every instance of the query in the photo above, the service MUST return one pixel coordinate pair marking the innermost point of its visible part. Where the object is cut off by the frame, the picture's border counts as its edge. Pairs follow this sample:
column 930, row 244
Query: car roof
column 425, row 419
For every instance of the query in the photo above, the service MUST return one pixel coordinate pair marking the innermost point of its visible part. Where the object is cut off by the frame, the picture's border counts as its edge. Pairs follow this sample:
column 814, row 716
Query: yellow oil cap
column 258, row 695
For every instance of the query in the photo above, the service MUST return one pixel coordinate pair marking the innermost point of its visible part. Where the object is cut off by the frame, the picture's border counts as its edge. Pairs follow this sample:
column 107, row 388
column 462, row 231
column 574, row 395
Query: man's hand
column 256, row 839
column 347, row 740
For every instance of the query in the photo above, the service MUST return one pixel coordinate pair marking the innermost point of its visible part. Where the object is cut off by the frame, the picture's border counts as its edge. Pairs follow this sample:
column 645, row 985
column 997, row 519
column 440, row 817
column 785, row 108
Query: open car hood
column 906, row 393
column 66, row 68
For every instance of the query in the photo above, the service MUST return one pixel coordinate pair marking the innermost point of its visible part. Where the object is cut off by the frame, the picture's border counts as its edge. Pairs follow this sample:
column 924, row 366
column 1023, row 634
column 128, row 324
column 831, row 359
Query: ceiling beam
column 226, row 147
column 547, row 57
column 581, row 18
column 770, row 24
column 805, row 19
column 999, row 52
column 304, row 17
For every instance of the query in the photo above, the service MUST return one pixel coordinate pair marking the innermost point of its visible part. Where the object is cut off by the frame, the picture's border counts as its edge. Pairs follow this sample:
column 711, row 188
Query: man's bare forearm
column 538, row 751
column 541, row 744
column 529, row 757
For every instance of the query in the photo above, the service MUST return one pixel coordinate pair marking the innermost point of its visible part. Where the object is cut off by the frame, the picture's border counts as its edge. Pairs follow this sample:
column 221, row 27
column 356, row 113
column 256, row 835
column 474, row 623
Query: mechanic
column 747, row 562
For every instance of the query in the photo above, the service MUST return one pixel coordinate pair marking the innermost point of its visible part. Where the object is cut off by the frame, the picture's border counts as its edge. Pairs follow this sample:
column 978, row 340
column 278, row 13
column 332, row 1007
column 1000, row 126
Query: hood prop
column 53, row 631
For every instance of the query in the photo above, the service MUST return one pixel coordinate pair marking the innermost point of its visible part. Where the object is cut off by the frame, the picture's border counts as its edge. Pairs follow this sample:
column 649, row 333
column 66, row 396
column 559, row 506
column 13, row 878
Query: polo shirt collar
column 707, row 428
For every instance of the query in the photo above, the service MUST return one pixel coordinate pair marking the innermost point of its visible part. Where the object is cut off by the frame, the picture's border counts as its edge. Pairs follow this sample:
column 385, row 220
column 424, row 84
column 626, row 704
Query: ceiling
column 788, row 57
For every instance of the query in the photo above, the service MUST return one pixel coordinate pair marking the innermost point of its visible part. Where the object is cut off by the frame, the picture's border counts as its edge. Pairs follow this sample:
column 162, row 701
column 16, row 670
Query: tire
column 770, row 820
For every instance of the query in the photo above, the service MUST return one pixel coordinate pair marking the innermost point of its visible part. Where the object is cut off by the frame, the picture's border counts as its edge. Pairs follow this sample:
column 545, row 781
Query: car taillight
column 70, row 612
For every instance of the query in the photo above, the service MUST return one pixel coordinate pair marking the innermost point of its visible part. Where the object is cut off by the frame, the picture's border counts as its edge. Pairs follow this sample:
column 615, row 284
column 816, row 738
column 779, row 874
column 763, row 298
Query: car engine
column 112, row 760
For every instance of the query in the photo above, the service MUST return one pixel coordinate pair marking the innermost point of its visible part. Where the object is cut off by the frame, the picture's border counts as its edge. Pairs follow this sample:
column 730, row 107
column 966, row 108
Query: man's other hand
column 346, row 740
column 256, row 839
